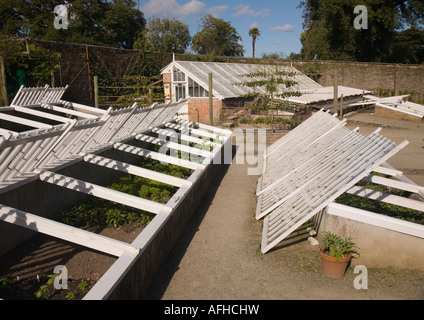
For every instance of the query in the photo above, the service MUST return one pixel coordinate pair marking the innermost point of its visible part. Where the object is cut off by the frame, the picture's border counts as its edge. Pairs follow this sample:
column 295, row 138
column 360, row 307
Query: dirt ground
column 219, row 258
column 28, row 266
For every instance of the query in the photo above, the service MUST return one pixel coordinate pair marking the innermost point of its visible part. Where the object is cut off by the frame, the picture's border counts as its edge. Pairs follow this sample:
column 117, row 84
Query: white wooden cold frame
column 313, row 170
column 37, row 154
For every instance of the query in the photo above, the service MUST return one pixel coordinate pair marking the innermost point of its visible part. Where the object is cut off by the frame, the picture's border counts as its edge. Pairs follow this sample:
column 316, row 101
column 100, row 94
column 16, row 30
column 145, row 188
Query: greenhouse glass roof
column 227, row 77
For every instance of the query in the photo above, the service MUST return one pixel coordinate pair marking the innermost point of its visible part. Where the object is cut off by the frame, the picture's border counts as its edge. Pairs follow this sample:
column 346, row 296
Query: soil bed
column 41, row 254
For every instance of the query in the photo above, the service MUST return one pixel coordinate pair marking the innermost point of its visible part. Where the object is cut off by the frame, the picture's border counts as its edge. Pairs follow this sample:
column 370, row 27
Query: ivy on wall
column 30, row 66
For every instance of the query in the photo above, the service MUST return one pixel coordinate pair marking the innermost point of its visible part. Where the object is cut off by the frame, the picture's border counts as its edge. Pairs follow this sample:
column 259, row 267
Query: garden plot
column 68, row 156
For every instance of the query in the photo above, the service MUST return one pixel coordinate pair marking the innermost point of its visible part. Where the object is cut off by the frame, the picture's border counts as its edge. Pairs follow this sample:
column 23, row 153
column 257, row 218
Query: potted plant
column 336, row 253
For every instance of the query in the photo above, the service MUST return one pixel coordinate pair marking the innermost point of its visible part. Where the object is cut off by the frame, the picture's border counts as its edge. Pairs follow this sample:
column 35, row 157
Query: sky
column 278, row 21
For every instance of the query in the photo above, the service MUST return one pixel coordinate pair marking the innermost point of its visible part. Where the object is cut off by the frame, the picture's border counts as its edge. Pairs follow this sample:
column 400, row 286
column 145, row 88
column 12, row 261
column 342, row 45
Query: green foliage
column 408, row 46
column 43, row 291
column 4, row 285
column 269, row 120
column 336, row 246
column 32, row 70
column 94, row 212
column 70, row 296
column 83, row 285
column 165, row 35
column 217, row 37
column 273, row 56
column 330, row 35
column 387, row 209
column 276, row 83
column 115, row 23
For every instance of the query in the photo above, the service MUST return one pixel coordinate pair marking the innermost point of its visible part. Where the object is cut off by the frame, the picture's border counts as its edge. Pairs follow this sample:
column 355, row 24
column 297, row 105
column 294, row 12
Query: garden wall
column 78, row 61
column 382, row 79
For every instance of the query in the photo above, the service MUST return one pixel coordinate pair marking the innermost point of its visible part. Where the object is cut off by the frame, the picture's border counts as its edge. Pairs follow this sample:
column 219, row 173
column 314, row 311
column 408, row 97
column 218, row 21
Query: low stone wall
column 392, row 114
column 379, row 247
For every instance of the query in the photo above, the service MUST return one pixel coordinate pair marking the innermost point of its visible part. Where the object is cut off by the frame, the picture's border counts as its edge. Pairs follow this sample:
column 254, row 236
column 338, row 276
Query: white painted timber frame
column 81, row 134
column 314, row 164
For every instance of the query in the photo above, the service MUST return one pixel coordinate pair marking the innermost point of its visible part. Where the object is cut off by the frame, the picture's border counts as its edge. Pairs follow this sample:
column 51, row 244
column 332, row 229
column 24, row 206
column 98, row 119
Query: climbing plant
column 29, row 65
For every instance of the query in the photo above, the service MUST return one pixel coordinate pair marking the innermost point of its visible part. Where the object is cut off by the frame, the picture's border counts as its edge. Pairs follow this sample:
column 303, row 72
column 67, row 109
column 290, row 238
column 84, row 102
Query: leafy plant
column 44, row 289
column 70, row 296
column 4, row 285
column 94, row 212
column 380, row 207
column 336, row 246
column 83, row 285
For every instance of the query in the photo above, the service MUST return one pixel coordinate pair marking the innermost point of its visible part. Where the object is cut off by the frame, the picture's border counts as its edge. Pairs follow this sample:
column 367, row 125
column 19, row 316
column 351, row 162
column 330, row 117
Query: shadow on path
column 171, row 264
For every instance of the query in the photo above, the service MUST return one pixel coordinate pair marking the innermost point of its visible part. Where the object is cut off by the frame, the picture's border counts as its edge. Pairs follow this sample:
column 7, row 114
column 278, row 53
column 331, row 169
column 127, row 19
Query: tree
column 330, row 34
column 254, row 33
column 217, row 37
column 85, row 18
column 274, row 55
column 408, row 46
column 102, row 22
column 12, row 19
column 165, row 36
column 123, row 23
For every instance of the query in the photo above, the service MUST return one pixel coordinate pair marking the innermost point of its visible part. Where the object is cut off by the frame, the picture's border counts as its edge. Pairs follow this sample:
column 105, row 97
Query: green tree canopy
column 217, row 37
column 115, row 23
column 165, row 35
column 408, row 46
column 330, row 33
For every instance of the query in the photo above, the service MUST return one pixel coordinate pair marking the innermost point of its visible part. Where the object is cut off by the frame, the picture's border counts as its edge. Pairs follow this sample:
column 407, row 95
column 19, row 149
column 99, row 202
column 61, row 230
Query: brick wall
column 167, row 78
column 198, row 110
column 167, row 86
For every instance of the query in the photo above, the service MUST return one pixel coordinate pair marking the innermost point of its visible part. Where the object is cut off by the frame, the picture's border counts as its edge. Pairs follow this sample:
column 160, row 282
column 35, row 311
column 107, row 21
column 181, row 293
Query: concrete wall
column 379, row 247
column 137, row 280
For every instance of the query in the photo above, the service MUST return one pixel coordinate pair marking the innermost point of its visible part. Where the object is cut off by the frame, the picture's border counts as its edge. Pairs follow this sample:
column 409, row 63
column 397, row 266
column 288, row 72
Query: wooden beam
column 137, row 171
column 42, row 114
column 394, row 184
column 102, row 192
column 158, row 156
column 376, row 219
column 69, row 111
column 65, row 232
column 387, row 198
column 173, row 145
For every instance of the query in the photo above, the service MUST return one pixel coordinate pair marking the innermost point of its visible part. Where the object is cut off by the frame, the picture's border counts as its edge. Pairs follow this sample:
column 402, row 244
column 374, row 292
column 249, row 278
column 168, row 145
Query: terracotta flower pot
column 332, row 268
